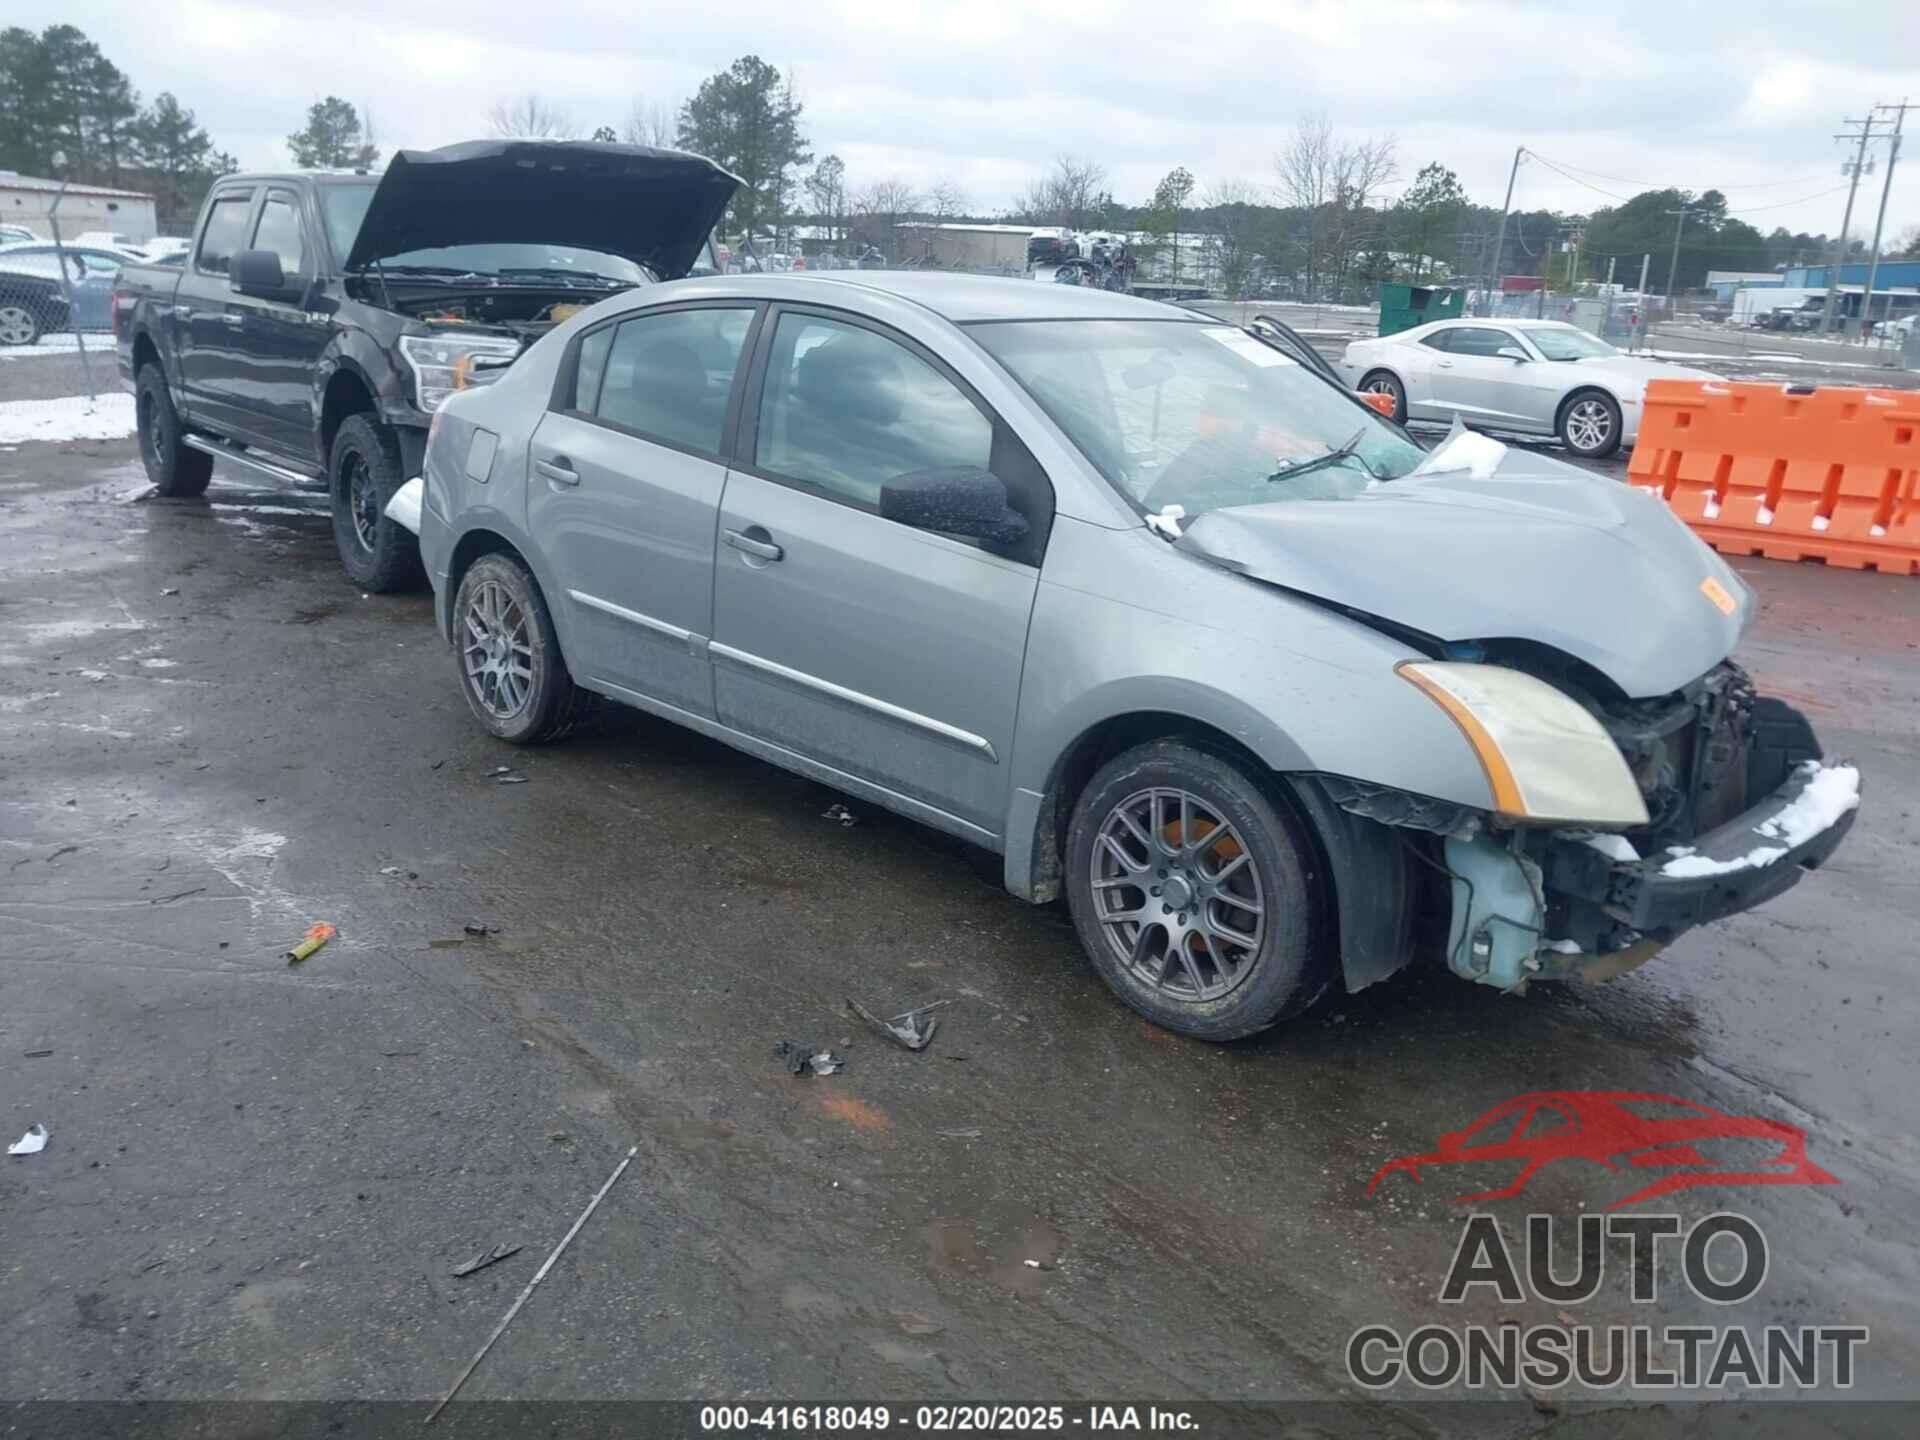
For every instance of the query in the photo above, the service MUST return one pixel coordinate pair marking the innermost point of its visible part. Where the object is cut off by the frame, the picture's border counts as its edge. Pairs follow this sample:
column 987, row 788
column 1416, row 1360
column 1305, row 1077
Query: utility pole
column 1500, row 241
column 1673, row 266
column 1840, row 251
column 1645, row 261
column 1880, row 223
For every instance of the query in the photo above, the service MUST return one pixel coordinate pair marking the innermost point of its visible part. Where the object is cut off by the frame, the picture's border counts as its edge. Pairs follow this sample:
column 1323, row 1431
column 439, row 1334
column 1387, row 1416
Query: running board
column 247, row 458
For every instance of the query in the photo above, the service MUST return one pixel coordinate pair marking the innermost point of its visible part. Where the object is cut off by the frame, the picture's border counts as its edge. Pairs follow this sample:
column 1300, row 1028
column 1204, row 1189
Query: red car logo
column 1615, row 1128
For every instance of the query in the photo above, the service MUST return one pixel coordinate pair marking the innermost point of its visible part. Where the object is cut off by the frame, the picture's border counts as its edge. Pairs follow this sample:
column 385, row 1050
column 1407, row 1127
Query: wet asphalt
column 261, row 1174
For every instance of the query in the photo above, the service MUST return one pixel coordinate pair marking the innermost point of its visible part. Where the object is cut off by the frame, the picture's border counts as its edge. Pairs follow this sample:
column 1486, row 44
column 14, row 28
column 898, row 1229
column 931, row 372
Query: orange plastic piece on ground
column 1829, row 474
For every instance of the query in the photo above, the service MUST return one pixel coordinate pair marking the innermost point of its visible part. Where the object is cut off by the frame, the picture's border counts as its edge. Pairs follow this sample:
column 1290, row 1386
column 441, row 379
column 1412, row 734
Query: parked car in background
column 91, row 271
column 323, row 318
column 1536, row 376
column 32, row 304
column 1278, row 699
column 166, row 249
column 107, row 239
column 16, row 234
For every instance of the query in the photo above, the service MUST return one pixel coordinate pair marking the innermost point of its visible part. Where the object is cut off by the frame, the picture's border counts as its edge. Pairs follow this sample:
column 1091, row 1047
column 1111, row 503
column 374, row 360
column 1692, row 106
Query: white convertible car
column 1539, row 376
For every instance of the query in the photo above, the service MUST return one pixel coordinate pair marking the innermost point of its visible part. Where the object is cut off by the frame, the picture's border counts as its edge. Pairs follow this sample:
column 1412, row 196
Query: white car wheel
column 1590, row 425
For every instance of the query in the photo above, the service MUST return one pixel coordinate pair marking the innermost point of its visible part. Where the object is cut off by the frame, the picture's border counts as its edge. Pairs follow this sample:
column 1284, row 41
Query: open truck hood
column 654, row 207
column 1535, row 550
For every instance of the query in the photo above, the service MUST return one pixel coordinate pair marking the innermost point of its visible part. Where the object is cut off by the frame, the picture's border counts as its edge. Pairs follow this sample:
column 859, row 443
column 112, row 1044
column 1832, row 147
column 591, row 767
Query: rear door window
column 225, row 233
column 669, row 376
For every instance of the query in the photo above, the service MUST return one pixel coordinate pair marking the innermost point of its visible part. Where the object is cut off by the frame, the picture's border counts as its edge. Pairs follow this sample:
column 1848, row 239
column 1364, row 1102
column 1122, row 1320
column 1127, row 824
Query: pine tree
column 332, row 139
column 747, row 119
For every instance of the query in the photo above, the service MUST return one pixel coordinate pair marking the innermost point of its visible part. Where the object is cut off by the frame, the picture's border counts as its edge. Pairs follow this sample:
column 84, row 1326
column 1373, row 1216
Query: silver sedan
column 1173, row 624
column 1537, row 376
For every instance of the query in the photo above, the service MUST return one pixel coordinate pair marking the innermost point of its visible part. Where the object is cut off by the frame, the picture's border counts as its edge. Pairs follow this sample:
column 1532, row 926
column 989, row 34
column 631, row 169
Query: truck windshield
column 1200, row 416
column 345, row 206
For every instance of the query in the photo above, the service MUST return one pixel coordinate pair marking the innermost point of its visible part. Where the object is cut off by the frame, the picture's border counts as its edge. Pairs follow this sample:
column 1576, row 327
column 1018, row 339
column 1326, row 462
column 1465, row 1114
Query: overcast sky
column 1744, row 96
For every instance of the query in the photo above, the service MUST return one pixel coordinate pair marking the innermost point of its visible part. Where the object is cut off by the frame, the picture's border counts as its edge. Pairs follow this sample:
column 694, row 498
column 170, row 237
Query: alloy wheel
column 497, row 651
column 1177, row 894
column 16, row 326
column 363, row 500
column 1589, row 424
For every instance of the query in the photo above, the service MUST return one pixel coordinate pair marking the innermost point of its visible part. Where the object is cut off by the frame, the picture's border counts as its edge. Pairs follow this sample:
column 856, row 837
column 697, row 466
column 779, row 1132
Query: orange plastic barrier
column 1829, row 474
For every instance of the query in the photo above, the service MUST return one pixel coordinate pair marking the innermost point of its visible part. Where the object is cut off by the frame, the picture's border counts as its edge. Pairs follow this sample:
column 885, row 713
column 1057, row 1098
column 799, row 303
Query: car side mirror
column 954, row 500
column 1512, row 352
column 258, row 273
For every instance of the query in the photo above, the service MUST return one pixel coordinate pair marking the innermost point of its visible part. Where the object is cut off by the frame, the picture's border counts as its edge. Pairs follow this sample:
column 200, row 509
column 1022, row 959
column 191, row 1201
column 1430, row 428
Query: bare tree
column 882, row 206
column 651, row 123
column 945, row 200
column 1335, row 182
column 531, row 118
column 1071, row 194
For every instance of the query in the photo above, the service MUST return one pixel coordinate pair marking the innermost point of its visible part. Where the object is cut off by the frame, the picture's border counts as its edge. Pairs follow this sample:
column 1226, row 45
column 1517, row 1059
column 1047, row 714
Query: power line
column 1649, row 185
column 1782, row 205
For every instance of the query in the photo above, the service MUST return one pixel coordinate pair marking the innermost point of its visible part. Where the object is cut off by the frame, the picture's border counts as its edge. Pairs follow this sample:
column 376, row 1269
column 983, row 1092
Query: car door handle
column 760, row 549
column 558, row 471
column 1444, row 364
column 234, row 319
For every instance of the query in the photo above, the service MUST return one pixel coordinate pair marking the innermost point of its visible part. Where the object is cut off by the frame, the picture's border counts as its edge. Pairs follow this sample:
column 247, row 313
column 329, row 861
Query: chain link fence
column 57, row 299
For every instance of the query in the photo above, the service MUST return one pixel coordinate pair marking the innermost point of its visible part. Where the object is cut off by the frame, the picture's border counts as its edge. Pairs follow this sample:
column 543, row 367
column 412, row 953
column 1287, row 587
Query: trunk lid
column 653, row 207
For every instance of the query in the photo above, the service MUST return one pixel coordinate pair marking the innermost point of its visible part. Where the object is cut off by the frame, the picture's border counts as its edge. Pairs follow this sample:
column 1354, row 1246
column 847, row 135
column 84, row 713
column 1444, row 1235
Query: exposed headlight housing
column 1547, row 760
column 443, row 364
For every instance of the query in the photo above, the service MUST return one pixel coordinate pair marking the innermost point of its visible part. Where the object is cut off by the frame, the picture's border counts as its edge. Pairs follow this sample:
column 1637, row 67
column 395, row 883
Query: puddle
column 997, row 1248
column 46, row 631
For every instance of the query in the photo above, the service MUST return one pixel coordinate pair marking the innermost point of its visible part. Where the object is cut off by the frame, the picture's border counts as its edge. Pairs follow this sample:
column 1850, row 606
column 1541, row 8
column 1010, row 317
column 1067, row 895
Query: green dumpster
column 1404, row 306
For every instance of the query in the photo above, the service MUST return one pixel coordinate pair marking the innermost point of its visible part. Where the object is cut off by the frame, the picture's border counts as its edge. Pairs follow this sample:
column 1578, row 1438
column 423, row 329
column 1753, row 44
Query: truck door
column 280, row 344
column 208, row 324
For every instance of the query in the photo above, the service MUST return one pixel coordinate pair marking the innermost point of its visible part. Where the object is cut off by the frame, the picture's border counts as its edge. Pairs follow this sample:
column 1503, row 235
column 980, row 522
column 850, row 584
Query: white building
column 26, row 200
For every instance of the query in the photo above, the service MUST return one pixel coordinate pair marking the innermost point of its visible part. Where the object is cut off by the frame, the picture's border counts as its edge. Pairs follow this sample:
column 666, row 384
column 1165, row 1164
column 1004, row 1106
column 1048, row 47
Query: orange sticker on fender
column 1717, row 593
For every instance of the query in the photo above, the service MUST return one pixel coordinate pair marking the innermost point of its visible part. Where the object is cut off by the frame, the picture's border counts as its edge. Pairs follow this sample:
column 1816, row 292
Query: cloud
column 986, row 92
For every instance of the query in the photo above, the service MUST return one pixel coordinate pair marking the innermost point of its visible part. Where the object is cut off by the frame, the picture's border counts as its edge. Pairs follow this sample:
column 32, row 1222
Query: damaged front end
column 1739, row 804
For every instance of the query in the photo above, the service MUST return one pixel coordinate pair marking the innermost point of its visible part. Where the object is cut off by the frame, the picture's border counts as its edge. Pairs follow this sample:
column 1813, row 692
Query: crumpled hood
column 1534, row 550
column 653, row 207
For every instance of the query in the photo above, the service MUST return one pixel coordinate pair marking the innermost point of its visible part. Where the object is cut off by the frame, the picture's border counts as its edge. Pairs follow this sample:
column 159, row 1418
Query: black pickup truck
column 322, row 318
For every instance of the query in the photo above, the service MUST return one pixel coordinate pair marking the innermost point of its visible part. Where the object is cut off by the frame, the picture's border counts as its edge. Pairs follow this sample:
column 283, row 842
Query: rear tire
column 363, row 471
column 177, row 471
column 511, row 670
column 1385, row 382
column 19, row 325
column 1212, row 937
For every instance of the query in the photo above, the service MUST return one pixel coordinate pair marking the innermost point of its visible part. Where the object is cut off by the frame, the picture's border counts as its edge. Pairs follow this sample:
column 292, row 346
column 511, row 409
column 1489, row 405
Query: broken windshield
column 1200, row 416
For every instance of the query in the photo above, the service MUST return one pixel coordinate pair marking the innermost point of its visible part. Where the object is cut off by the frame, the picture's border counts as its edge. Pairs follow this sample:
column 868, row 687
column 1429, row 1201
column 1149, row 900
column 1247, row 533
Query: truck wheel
column 363, row 472
column 1192, row 892
column 511, row 669
column 176, row 471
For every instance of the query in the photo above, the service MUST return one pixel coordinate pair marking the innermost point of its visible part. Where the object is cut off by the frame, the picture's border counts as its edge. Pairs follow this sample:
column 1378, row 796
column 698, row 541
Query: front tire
column 511, row 669
column 363, row 471
column 176, row 471
column 1385, row 382
column 1193, row 893
column 1590, row 425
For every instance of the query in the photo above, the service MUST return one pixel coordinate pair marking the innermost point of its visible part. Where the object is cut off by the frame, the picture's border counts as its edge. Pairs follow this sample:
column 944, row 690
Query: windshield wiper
column 1348, row 451
column 588, row 277
column 451, row 270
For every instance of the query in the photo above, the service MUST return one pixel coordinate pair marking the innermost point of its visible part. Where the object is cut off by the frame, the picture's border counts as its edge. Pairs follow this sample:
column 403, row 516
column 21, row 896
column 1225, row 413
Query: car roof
column 963, row 299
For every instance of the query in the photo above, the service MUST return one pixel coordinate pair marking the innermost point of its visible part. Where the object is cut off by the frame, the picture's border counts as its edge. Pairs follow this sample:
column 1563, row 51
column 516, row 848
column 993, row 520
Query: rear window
column 225, row 233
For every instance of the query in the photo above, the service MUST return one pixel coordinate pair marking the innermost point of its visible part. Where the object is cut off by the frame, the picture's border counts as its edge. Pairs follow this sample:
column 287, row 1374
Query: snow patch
column 72, row 417
column 1830, row 793
column 1819, row 522
column 1468, row 450
column 1711, row 510
column 1563, row 947
column 1614, row 847
column 1763, row 516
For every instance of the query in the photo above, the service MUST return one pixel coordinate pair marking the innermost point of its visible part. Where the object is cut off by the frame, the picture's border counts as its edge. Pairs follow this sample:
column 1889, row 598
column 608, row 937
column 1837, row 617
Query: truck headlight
column 443, row 364
column 1547, row 759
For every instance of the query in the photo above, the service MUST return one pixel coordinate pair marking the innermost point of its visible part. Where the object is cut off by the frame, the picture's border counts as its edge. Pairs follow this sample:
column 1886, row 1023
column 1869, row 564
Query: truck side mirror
column 258, row 273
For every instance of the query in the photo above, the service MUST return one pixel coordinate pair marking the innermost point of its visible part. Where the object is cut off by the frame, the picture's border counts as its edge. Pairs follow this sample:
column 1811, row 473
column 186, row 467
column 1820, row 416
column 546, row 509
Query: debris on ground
column 395, row 872
column 509, row 779
column 477, row 930
column 31, row 1143
column 905, row 1029
column 840, row 813
column 538, row 1276
column 317, row 935
column 171, row 590
column 968, row 1134
column 804, row 1059
column 37, row 1054
column 492, row 1256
